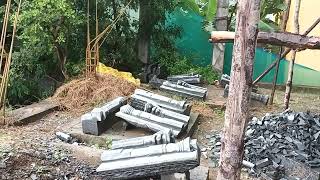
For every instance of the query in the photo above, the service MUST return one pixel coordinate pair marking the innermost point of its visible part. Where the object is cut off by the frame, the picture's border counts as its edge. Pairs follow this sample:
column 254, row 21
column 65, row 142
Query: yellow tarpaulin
column 103, row 69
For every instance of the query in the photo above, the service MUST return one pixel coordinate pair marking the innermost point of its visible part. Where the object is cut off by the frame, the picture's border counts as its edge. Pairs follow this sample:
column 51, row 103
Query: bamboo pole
column 293, row 57
column 285, row 53
column 4, row 32
column 285, row 17
column 5, row 78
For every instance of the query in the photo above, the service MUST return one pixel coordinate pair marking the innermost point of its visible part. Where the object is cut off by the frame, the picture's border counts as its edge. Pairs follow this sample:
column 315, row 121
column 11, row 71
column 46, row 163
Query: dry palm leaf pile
column 83, row 94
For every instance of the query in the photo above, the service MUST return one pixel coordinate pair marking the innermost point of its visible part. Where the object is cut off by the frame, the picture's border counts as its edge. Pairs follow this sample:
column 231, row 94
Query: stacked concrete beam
column 180, row 88
column 150, row 121
column 188, row 78
column 153, row 108
column 150, row 161
column 100, row 119
column 164, row 102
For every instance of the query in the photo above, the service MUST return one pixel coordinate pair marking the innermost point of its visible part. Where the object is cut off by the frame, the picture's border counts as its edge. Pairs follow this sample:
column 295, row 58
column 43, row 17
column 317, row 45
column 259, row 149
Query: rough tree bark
column 221, row 25
column 284, row 22
column 232, row 148
column 145, row 28
column 292, row 40
column 285, row 16
column 293, row 57
column 285, row 53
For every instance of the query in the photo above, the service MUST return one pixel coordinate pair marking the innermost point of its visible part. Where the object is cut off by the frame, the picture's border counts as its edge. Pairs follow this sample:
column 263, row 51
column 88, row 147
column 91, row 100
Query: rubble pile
column 288, row 134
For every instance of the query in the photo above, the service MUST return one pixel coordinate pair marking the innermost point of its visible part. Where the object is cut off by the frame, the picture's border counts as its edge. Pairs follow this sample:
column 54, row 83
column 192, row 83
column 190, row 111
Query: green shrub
column 176, row 64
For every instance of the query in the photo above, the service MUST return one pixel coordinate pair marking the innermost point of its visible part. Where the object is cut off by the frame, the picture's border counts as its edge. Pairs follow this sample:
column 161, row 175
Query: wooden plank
column 32, row 112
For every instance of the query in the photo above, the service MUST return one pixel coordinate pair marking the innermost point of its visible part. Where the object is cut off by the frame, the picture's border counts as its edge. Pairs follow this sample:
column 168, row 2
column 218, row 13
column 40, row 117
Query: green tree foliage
column 49, row 24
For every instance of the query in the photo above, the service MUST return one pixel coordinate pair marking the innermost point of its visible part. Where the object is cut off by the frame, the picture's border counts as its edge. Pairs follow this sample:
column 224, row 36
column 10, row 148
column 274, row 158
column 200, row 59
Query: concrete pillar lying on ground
column 153, row 108
column 100, row 119
column 167, row 103
column 161, row 137
column 255, row 96
column 146, row 120
column 188, row 78
column 150, row 161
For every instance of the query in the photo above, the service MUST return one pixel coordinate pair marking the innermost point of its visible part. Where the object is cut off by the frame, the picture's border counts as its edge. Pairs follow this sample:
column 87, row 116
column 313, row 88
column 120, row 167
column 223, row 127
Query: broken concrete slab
column 32, row 112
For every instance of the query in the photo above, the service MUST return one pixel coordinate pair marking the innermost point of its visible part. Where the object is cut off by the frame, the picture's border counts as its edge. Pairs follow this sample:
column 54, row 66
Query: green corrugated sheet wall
column 194, row 43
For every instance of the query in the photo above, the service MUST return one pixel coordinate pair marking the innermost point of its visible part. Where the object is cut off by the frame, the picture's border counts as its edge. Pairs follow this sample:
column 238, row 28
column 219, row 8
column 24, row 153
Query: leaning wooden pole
column 4, row 33
column 232, row 148
column 284, row 54
column 5, row 78
column 293, row 57
column 275, row 78
column 285, row 17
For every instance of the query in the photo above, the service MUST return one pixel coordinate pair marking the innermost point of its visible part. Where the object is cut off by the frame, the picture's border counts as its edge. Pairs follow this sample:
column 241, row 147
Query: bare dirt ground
column 33, row 152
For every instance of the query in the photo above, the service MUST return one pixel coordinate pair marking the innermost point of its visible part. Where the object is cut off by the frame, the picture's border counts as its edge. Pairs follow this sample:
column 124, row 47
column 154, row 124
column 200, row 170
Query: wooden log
column 283, row 55
column 291, row 40
column 293, row 57
column 232, row 148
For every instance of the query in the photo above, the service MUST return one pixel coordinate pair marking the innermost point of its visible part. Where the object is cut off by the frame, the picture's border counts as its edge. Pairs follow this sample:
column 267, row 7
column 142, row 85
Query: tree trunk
column 293, row 57
column 292, row 40
column 285, row 16
column 232, row 148
column 62, row 59
column 221, row 25
column 145, row 29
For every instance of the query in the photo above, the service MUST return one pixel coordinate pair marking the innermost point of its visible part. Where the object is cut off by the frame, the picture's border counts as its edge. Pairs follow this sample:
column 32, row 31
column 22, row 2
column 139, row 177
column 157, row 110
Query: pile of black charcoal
column 272, row 138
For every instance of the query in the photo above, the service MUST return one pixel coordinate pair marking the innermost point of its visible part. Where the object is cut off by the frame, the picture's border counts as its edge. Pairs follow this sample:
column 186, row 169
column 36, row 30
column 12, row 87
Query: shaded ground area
column 32, row 151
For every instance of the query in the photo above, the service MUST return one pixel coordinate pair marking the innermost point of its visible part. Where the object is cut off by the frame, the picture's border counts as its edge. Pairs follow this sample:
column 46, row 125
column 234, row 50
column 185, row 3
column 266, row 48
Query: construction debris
column 292, row 135
column 100, row 119
column 150, row 161
column 66, row 137
column 254, row 96
column 180, row 88
column 181, row 107
column 188, row 78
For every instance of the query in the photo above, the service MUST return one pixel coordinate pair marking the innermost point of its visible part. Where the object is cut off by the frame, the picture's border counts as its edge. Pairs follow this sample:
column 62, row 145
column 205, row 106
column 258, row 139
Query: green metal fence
column 194, row 43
